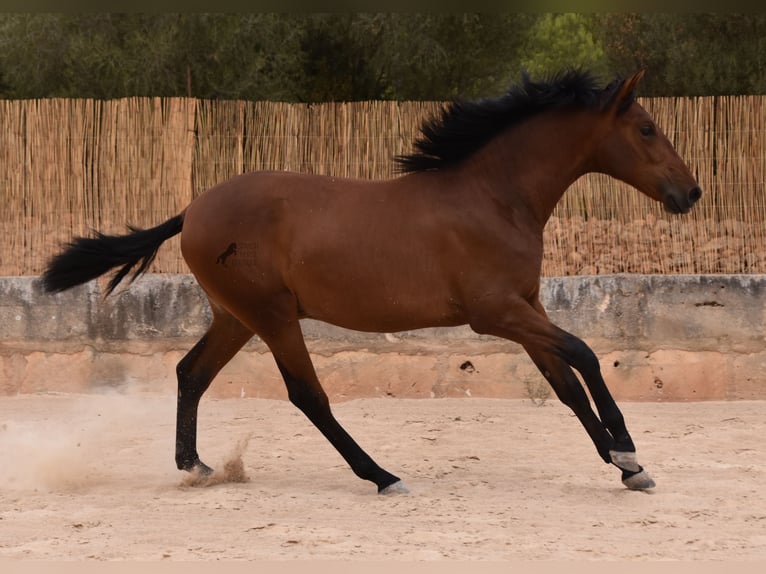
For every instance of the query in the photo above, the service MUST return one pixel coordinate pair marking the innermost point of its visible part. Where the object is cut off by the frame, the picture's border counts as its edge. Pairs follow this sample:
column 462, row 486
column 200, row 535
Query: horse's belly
column 381, row 308
column 376, row 320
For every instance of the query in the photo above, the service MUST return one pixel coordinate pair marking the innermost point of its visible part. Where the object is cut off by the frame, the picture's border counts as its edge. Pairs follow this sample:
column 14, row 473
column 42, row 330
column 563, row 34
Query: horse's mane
column 462, row 127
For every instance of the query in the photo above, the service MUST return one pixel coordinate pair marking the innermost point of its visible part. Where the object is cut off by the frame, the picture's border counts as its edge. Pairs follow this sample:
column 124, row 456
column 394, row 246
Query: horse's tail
column 86, row 258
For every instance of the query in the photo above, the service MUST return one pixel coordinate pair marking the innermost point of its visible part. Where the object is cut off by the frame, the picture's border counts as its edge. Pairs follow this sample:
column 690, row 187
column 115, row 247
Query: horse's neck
column 534, row 163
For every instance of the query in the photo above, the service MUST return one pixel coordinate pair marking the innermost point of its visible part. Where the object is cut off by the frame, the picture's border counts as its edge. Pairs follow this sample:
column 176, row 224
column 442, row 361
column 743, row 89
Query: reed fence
column 71, row 165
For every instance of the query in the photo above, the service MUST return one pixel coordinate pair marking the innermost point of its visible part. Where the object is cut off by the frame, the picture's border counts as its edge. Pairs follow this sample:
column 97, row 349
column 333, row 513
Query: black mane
column 462, row 127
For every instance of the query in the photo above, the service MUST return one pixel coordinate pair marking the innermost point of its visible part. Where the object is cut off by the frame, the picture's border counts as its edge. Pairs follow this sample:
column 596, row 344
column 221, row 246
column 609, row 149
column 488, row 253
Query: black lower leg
column 609, row 412
column 190, row 390
column 313, row 402
column 195, row 372
column 570, row 392
column 581, row 357
column 187, row 457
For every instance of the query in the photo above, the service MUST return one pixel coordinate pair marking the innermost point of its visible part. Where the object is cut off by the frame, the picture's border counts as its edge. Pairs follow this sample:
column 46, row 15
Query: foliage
column 572, row 34
column 247, row 56
column 689, row 54
column 362, row 56
column 444, row 56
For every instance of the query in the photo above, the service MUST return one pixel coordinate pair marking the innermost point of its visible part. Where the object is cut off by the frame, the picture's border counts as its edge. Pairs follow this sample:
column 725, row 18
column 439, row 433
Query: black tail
column 86, row 258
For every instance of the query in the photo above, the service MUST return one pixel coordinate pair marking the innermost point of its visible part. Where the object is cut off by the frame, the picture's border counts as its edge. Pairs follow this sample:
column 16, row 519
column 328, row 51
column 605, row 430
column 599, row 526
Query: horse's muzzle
column 681, row 202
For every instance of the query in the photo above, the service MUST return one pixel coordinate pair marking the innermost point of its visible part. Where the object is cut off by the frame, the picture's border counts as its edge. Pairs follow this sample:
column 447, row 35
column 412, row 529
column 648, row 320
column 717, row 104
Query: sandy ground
column 92, row 477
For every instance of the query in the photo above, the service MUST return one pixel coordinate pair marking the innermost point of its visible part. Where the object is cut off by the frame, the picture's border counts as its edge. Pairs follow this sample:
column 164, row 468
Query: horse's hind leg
column 223, row 339
column 286, row 342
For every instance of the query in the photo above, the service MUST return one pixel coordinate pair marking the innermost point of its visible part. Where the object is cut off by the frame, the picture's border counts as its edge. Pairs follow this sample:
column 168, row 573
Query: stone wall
column 659, row 337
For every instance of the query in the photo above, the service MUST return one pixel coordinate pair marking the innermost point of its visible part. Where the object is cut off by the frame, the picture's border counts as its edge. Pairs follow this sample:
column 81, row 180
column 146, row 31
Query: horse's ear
column 621, row 98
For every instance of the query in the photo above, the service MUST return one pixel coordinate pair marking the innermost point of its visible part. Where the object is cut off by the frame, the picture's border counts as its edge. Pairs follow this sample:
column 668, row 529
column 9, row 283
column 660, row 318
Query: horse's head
column 635, row 150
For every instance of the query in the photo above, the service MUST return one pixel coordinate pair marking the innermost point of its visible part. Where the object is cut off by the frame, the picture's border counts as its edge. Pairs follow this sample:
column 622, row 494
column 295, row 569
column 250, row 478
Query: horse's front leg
column 555, row 352
column 609, row 433
column 578, row 354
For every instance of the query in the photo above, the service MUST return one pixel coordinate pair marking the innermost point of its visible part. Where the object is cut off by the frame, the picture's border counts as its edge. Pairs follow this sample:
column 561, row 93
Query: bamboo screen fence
column 69, row 166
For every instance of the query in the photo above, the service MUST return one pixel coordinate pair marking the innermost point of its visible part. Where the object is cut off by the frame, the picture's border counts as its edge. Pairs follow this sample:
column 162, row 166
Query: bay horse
column 455, row 238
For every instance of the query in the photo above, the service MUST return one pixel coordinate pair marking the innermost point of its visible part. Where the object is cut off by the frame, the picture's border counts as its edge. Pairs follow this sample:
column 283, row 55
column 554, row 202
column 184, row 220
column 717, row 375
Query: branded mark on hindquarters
column 237, row 254
column 223, row 257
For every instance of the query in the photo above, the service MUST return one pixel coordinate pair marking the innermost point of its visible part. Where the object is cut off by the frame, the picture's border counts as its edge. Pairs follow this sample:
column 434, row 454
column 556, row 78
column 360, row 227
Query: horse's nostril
column 694, row 194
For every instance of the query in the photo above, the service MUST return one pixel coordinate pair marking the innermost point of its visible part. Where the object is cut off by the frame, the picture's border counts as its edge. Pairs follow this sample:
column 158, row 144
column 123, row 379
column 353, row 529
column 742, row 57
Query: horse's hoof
column 395, row 488
column 200, row 470
column 639, row 481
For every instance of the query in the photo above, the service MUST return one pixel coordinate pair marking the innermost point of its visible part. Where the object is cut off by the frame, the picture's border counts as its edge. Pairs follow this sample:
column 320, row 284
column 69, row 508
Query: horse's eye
column 647, row 130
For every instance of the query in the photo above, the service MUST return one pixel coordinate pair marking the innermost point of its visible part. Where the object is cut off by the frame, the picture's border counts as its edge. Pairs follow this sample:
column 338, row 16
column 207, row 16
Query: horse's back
column 265, row 207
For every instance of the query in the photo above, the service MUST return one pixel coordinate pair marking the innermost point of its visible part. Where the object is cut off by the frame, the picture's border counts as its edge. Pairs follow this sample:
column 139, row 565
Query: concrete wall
column 684, row 337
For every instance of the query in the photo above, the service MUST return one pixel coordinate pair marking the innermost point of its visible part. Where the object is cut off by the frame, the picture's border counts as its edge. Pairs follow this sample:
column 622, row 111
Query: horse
column 454, row 238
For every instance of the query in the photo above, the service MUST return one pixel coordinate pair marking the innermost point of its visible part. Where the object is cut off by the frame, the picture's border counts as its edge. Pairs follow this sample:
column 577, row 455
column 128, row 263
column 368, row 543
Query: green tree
column 338, row 52
column 293, row 57
column 30, row 53
column 443, row 56
column 411, row 56
column 689, row 54
column 253, row 56
column 241, row 56
column 558, row 41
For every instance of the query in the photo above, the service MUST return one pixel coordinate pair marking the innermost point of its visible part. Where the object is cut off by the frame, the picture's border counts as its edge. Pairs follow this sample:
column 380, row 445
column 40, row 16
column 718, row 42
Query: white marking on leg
column 625, row 460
